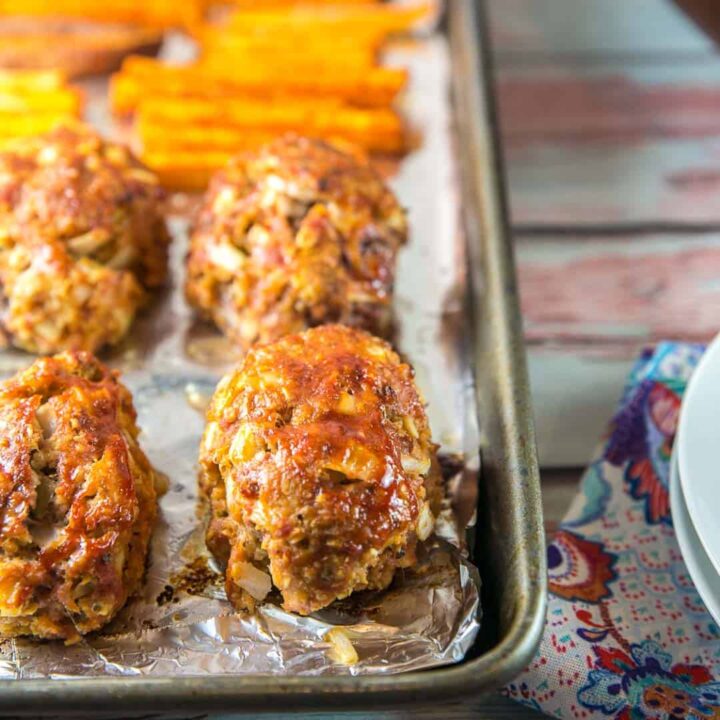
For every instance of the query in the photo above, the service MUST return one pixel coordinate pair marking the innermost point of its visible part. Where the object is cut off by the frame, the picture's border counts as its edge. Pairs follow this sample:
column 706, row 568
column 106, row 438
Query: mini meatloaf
column 319, row 468
column 297, row 235
column 78, row 498
column 82, row 239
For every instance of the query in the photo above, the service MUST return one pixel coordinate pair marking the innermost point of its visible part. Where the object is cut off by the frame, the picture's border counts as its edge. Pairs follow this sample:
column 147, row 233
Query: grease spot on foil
column 206, row 346
column 197, row 398
column 196, row 577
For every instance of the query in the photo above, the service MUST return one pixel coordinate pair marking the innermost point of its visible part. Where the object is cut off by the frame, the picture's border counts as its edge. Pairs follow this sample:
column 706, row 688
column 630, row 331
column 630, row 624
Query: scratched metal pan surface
column 508, row 542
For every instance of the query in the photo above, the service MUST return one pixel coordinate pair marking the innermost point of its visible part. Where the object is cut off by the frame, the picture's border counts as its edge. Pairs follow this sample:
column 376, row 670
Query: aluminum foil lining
column 182, row 624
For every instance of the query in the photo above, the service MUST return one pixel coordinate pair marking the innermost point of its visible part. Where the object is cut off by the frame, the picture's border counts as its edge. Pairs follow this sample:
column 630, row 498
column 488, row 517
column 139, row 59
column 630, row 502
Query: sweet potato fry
column 31, row 80
column 219, row 124
column 127, row 92
column 246, row 112
column 268, row 4
column 353, row 67
column 189, row 169
column 61, row 101
column 184, row 170
column 15, row 126
column 164, row 139
column 334, row 79
column 124, row 93
column 34, row 101
column 155, row 13
column 233, row 139
column 376, row 88
column 344, row 37
column 345, row 52
column 389, row 19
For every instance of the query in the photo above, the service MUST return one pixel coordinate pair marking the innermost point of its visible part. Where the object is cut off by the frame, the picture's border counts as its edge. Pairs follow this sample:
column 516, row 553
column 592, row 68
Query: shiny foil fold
column 182, row 624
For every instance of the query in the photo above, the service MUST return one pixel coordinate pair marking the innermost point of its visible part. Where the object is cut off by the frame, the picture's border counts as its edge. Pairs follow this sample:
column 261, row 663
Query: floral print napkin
column 627, row 635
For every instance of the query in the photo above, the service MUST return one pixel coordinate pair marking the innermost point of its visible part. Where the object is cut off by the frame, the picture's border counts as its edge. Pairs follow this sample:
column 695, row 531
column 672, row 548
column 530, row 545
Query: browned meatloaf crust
column 78, row 498
column 296, row 235
column 82, row 239
column 319, row 467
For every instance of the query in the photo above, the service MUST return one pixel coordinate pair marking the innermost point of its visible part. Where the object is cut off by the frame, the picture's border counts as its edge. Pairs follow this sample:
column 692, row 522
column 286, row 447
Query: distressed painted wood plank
column 575, row 393
column 609, row 114
column 589, row 306
column 623, row 290
column 622, row 104
column 588, row 146
column 595, row 184
column 638, row 28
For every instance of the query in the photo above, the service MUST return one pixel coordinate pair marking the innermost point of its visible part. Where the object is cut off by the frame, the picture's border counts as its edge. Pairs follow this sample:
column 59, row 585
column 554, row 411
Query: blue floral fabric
column 627, row 635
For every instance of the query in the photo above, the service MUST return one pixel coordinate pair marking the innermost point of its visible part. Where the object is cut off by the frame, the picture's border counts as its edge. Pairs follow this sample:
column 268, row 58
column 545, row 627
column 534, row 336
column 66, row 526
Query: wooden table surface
column 611, row 122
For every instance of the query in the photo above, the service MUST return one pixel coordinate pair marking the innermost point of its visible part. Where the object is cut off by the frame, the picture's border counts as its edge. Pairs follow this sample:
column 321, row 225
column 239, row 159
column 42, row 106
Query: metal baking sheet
column 182, row 623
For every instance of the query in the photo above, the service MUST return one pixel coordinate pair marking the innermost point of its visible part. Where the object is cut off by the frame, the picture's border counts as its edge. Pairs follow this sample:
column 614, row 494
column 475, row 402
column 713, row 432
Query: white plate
column 701, row 569
column 698, row 447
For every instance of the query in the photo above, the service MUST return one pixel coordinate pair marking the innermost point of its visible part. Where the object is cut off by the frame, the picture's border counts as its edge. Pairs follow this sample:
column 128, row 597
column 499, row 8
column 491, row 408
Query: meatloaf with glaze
column 82, row 240
column 296, row 235
column 319, row 468
column 78, row 498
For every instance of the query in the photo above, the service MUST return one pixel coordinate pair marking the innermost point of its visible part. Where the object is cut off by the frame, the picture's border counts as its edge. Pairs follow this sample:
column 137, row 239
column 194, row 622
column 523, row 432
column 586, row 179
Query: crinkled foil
column 182, row 622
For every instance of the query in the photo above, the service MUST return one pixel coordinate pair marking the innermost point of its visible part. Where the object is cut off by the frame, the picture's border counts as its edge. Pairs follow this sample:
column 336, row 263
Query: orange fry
column 352, row 67
column 378, row 87
column 331, row 77
column 155, row 13
column 222, row 124
column 232, row 139
column 184, row 170
column 35, row 101
column 267, row 4
column 246, row 112
column 127, row 92
column 243, row 49
column 217, row 141
column 14, row 126
column 62, row 101
column 388, row 18
column 344, row 36
column 373, row 87
column 19, row 81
